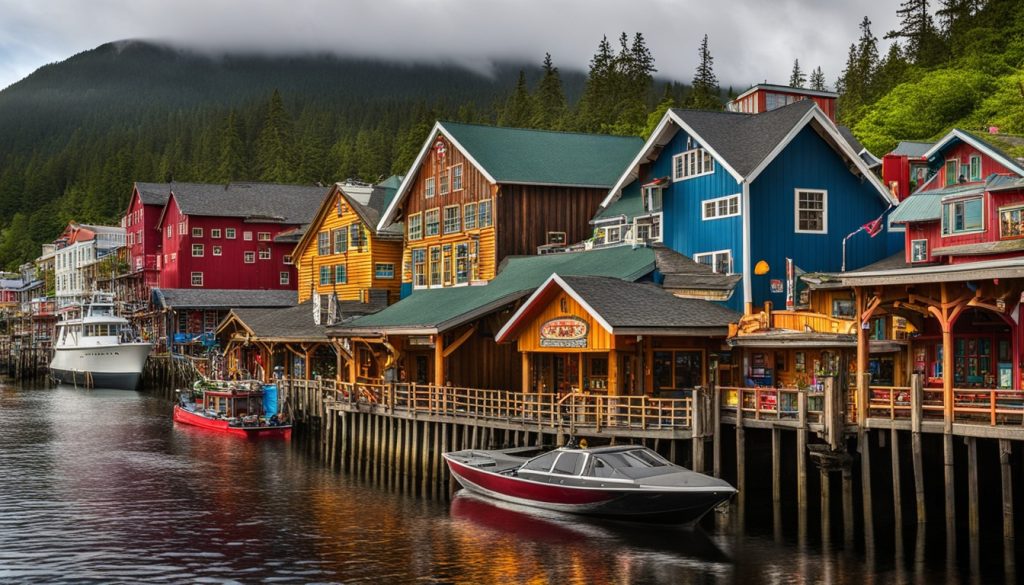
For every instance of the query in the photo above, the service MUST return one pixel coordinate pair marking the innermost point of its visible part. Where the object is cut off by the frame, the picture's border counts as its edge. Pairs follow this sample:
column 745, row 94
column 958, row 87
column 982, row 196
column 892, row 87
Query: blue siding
column 684, row 230
column 809, row 163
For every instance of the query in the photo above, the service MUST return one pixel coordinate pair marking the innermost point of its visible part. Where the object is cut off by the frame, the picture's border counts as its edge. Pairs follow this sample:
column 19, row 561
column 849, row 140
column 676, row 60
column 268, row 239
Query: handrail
column 765, row 403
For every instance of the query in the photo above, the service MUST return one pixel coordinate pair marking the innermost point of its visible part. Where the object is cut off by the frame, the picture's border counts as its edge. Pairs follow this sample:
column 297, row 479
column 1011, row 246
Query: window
column 325, row 275
column 197, row 279
column 229, row 233
column 169, row 231
column 215, row 233
column 263, row 236
column 721, row 207
column 613, row 234
column 964, row 216
column 340, row 240
column 264, row 253
column 419, row 267
column 446, row 264
column 247, row 236
column 720, row 262
column 131, row 239
column 647, row 229
column 443, row 185
column 433, row 221
column 975, row 168
column 461, row 263
column 181, row 228
column 435, row 266
column 340, row 274
column 356, row 235
column 384, row 270
column 1011, row 222
column 457, row 178
column 250, row 257
column 217, row 250
column 692, row 163
column 197, row 250
column 843, row 309
column 415, row 226
column 428, row 187
column 653, row 198
column 287, row 259
column 284, row 278
column 469, row 216
column 951, row 167
column 677, row 370
column 811, row 211
column 918, row 250
column 323, row 243
column 556, row 238
column 197, row 232
column 452, row 218
column 484, row 216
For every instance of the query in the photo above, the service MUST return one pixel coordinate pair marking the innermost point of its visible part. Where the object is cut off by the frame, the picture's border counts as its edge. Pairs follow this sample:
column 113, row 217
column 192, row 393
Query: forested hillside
column 963, row 67
column 75, row 135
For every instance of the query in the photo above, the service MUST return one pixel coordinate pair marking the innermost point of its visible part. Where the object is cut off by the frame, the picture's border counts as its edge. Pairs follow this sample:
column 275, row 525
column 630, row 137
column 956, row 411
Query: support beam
column 459, row 340
column 525, row 356
column 439, row 377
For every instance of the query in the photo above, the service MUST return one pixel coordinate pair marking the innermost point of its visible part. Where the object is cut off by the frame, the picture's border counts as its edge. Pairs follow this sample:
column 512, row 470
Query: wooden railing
column 970, row 406
column 580, row 410
column 772, row 403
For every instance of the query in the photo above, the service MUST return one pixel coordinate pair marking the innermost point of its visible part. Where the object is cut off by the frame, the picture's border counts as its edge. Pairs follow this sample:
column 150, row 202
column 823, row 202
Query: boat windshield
column 615, row 464
column 541, row 463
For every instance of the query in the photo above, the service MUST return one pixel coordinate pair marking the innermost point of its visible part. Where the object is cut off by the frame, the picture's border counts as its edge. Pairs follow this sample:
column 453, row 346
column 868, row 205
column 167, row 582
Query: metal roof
column 912, row 149
column 927, row 205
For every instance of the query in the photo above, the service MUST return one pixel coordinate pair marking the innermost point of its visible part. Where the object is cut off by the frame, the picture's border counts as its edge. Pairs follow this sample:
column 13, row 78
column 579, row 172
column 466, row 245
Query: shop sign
column 776, row 284
column 421, row 340
column 564, row 332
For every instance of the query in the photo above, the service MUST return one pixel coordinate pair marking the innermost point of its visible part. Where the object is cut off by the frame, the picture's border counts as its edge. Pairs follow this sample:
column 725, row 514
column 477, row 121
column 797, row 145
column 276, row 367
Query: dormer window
column 975, row 168
column 653, row 194
column 963, row 216
column 692, row 163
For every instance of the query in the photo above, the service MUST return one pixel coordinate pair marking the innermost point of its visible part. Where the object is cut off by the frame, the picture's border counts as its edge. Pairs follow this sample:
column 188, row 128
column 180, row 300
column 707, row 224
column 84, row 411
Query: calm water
column 101, row 486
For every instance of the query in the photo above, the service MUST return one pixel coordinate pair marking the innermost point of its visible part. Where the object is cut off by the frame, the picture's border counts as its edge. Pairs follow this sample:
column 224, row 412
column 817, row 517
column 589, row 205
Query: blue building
column 732, row 189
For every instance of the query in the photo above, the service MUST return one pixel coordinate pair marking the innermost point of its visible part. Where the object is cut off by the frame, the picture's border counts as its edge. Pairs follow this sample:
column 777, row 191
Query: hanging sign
column 790, row 284
column 776, row 285
column 564, row 332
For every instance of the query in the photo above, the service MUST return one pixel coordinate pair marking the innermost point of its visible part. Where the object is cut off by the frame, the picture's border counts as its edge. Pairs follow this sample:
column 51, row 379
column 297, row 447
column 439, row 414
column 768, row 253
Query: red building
column 765, row 97
column 905, row 169
column 970, row 208
column 235, row 236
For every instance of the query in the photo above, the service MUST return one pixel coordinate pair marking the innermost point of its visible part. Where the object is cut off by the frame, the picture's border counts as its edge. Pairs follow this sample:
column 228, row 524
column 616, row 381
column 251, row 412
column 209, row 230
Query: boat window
column 569, row 463
column 599, row 468
column 542, row 463
column 634, row 458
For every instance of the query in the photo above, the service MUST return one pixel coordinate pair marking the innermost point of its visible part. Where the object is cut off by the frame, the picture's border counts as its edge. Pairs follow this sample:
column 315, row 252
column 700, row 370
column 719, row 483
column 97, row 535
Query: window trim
column 377, row 270
column 192, row 279
column 458, row 219
column 249, row 257
column 284, row 278
column 466, row 214
column 657, row 218
column 265, row 254
column 408, row 229
column 451, row 172
column 951, row 178
column 490, row 213
column 263, row 236
column 426, row 222
column 739, row 209
column 335, row 240
column 230, row 233
column 325, row 271
column 912, row 251
column 246, row 236
column 215, row 233
column 705, row 155
column 412, row 262
column 430, row 267
column 217, row 250
column 429, row 187
column 201, row 249
column 824, row 211
column 945, row 217
column 974, row 157
column 323, row 243
column 197, row 232
column 727, row 252
column 343, row 268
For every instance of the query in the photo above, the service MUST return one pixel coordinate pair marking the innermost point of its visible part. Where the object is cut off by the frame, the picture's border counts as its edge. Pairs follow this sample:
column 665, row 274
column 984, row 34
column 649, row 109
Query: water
column 101, row 486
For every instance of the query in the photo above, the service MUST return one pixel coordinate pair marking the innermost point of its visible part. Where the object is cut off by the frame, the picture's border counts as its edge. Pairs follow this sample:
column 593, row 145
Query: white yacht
column 96, row 348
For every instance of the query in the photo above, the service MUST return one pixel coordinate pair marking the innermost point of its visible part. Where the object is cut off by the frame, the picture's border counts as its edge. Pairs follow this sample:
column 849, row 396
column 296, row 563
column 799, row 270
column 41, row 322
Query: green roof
column 630, row 204
column 443, row 308
column 927, row 205
column 516, row 155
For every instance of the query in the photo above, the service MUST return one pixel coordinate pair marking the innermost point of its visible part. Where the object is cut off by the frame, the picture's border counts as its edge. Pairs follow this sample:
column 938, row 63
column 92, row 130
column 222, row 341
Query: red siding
column 141, row 235
column 962, row 154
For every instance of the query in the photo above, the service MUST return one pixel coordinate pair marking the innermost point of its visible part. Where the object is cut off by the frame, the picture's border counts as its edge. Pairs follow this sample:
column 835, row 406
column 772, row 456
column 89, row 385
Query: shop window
column 843, row 309
column 677, row 370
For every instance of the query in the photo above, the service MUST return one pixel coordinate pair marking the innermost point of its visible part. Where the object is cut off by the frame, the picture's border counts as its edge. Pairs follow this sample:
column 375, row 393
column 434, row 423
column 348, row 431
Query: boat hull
column 670, row 506
column 221, row 425
column 103, row 366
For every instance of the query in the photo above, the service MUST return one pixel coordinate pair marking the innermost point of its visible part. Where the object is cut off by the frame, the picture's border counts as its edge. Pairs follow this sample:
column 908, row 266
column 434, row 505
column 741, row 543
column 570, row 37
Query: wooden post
column 716, row 444
column 741, row 466
column 826, row 508
column 947, row 361
column 439, row 377
column 613, row 371
column 947, row 458
column 777, row 481
column 972, row 488
column 916, row 400
column 897, row 499
column 863, row 378
column 697, row 414
column 801, row 463
column 848, row 507
column 1007, row 480
column 525, row 356
column 864, row 445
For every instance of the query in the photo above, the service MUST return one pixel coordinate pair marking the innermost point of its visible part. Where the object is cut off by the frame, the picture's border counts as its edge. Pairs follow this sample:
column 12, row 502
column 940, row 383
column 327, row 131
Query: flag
column 873, row 227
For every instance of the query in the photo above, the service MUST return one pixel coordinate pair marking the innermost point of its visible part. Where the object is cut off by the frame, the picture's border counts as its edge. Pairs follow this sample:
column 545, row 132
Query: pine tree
column 797, row 78
column 856, row 83
column 594, row 106
column 923, row 44
column 705, row 84
column 231, row 165
column 273, row 145
column 890, row 72
column 667, row 102
column 817, row 81
column 956, row 20
column 518, row 109
column 550, row 109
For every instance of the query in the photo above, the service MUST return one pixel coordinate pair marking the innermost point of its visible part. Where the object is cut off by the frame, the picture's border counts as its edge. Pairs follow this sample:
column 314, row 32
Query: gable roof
column 435, row 310
column 865, row 155
column 957, row 135
column 376, row 198
column 744, row 144
column 271, row 202
column 153, row 193
column 528, row 157
column 627, row 308
column 912, row 149
column 210, row 298
column 927, row 205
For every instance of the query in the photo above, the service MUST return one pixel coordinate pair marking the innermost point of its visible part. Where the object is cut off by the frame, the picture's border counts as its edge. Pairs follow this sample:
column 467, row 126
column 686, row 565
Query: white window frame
column 947, row 220
column 974, row 157
column 198, row 250
column 426, row 221
column 263, row 236
column 265, row 254
column 196, row 282
column 824, row 211
column 913, row 251
column 287, row 260
column 656, row 219
column 727, row 199
column 249, row 257
column 702, row 163
column 170, row 231
column 617, row 230
column 230, row 233
column 383, row 268
column 217, row 250
column 418, row 235
column 453, row 226
column 197, row 232
column 247, row 236
column 713, row 255
column 284, row 277
column 452, row 173
column 429, row 188
column 215, row 233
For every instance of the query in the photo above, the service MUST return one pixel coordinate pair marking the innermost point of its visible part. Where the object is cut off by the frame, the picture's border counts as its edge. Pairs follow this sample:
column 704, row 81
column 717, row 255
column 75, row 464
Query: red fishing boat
column 248, row 409
column 621, row 482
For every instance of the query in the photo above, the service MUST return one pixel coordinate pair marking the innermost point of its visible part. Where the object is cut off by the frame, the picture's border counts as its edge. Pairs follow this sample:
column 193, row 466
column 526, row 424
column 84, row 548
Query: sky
column 752, row 41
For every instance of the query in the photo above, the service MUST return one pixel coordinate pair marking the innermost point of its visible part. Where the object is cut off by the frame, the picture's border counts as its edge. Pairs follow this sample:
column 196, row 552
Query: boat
column 624, row 482
column 244, row 408
column 96, row 348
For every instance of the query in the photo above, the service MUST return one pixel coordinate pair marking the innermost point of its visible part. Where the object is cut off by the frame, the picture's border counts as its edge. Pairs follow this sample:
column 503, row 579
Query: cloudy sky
column 751, row 40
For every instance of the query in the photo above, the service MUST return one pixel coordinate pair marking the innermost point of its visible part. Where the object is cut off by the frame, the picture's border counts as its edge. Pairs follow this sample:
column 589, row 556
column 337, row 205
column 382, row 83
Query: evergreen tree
column 705, row 85
column 890, row 72
column 550, row 109
column 817, row 81
column 232, row 151
column 667, row 102
column 797, row 78
column 273, row 145
column 518, row 110
column 595, row 105
column 956, row 20
column 923, row 45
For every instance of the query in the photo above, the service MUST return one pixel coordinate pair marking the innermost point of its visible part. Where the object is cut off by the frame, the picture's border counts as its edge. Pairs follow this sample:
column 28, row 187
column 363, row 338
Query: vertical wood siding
column 529, row 212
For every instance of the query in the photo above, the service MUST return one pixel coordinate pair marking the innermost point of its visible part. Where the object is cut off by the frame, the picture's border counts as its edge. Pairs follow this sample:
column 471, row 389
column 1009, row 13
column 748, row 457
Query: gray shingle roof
column 154, row 193
column 380, row 196
column 647, row 306
column 912, row 149
column 744, row 140
column 200, row 298
column 270, row 201
column 681, row 271
column 282, row 323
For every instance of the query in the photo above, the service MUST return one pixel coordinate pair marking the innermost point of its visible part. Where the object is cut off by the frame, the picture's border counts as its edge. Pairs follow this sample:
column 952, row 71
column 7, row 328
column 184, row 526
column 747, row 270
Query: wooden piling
column 741, row 464
column 698, row 431
column 801, row 465
column 1007, row 482
column 777, row 481
column 897, row 500
column 716, row 442
column 973, row 521
column 864, row 445
column 848, row 528
column 826, row 508
column 950, row 491
column 916, row 398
